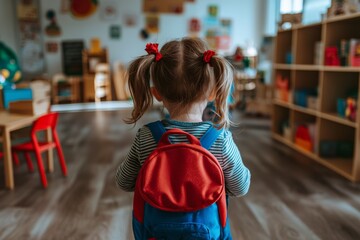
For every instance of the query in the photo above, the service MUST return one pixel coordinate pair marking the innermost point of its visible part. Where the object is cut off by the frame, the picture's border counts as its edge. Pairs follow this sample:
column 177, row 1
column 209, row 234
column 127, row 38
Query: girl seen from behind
column 185, row 76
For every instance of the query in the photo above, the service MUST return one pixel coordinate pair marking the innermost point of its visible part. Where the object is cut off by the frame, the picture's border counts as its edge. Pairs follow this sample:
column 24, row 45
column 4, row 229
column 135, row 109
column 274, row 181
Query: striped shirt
column 237, row 176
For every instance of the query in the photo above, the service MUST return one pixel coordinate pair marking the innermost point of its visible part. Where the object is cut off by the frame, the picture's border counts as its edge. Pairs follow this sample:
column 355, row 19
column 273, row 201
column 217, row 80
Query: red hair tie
column 152, row 48
column 208, row 55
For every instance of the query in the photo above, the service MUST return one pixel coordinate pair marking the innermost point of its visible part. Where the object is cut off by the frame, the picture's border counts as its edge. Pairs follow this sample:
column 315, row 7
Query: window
column 291, row 6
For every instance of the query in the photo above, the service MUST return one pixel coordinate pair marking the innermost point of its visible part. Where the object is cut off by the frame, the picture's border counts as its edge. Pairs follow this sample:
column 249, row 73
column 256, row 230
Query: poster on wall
column 163, row 6
column 217, row 31
column 194, row 27
column 27, row 10
column 65, row 6
column 52, row 47
column 115, row 32
column 130, row 19
column 152, row 23
column 108, row 10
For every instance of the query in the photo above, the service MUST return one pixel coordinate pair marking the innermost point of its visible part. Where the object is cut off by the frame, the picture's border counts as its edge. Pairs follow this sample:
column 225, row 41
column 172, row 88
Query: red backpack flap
column 180, row 177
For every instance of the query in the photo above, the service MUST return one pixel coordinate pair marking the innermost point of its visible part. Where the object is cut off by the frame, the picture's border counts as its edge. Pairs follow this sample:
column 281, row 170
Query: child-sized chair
column 42, row 123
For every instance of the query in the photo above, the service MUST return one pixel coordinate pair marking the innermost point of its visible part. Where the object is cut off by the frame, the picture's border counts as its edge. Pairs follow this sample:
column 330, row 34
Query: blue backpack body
column 180, row 190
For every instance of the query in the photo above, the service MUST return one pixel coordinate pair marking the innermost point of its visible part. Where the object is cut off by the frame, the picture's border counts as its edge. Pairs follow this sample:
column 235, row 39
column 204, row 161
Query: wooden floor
column 289, row 198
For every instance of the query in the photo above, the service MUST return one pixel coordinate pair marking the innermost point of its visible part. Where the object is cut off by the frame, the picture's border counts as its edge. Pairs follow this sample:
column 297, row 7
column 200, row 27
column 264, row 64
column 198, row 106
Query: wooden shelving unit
column 94, row 91
column 330, row 82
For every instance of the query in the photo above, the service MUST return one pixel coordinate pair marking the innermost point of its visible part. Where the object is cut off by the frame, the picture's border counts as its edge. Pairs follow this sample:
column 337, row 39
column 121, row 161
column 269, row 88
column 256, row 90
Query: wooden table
column 10, row 122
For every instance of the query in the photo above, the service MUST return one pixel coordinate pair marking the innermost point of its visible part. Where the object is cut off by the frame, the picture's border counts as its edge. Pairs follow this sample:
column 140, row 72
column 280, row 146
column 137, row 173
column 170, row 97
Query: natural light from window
column 291, row 6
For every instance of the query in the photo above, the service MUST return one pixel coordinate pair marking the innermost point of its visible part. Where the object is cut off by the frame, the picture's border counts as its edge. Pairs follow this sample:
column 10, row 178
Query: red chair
column 16, row 161
column 42, row 123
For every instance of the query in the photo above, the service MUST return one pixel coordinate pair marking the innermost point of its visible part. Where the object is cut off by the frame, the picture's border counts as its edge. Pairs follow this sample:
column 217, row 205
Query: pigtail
column 139, row 86
column 223, row 76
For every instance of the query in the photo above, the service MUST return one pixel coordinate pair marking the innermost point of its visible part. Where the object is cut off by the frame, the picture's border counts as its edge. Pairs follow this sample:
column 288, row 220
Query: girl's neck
column 187, row 118
column 192, row 113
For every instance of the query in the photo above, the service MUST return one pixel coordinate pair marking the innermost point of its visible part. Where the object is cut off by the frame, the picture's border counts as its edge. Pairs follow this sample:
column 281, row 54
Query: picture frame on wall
column 109, row 10
column 115, row 31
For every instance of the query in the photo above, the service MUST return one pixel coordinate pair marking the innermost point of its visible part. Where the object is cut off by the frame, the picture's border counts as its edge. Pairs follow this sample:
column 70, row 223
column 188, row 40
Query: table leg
column 50, row 152
column 8, row 166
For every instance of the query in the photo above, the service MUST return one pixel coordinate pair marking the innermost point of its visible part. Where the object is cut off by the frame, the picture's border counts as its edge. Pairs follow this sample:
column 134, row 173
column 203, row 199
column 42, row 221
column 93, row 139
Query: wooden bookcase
column 91, row 88
column 331, row 83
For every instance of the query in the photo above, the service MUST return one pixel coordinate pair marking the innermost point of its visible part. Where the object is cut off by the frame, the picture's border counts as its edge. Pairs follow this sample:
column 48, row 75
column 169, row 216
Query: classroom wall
column 248, row 26
column 7, row 26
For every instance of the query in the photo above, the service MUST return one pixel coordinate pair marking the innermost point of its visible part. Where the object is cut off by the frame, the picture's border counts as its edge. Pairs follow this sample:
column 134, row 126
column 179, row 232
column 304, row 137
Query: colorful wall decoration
column 163, row 6
column 115, row 32
column 53, row 29
column 83, row 8
column 108, row 10
column 217, row 31
column 152, row 23
column 30, row 39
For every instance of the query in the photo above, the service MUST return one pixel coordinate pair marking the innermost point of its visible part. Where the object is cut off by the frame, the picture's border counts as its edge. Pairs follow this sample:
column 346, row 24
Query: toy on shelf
column 282, row 92
column 303, row 138
column 336, row 149
column 350, row 111
column 302, row 96
column 331, row 56
column 354, row 52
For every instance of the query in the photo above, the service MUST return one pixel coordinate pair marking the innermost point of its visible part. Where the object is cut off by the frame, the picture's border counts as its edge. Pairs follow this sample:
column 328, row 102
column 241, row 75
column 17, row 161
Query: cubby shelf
column 343, row 166
column 332, row 84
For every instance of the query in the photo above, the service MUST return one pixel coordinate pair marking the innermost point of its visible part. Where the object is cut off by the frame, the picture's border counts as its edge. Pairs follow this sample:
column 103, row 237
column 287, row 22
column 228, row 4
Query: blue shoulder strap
column 157, row 130
column 207, row 140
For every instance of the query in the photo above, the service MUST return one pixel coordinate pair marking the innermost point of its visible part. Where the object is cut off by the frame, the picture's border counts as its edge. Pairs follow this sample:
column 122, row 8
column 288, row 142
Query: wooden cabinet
column 96, row 75
column 65, row 89
column 299, row 61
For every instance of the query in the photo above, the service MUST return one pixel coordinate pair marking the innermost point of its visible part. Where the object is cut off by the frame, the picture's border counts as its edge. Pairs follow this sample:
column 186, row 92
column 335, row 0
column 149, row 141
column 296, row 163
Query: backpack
column 180, row 190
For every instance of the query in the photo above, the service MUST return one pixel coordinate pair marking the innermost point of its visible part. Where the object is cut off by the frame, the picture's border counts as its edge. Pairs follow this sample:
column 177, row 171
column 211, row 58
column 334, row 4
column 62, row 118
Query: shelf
column 304, row 67
column 343, row 17
column 306, row 110
column 300, row 26
column 280, row 66
column 341, row 69
column 282, row 103
column 343, row 167
column 282, row 139
column 307, row 67
column 303, row 47
column 335, row 118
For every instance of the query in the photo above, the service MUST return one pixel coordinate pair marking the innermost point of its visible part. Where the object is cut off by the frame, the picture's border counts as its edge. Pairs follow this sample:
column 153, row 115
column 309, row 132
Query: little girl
column 185, row 76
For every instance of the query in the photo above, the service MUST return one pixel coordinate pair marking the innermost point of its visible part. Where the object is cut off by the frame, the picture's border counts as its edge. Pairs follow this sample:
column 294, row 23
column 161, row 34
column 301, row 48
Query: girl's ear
column 212, row 95
column 156, row 94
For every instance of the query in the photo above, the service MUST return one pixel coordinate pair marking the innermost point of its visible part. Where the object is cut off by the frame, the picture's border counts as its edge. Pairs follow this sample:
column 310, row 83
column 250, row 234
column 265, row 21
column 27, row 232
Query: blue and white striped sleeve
column 127, row 172
column 237, row 175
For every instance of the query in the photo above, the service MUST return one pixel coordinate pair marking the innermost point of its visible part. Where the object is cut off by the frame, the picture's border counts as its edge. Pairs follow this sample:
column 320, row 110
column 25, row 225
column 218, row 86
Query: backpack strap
column 157, row 130
column 208, row 139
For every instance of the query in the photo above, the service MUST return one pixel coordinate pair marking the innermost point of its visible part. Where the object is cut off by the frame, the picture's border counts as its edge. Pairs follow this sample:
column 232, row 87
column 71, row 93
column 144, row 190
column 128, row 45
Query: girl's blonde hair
column 182, row 78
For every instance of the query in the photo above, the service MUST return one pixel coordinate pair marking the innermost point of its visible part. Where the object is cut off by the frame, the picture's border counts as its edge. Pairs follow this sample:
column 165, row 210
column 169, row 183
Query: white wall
column 7, row 26
column 248, row 26
column 272, row 11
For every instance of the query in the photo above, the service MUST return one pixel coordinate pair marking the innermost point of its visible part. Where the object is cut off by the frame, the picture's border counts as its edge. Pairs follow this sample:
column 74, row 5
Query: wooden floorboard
column 290, row 197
